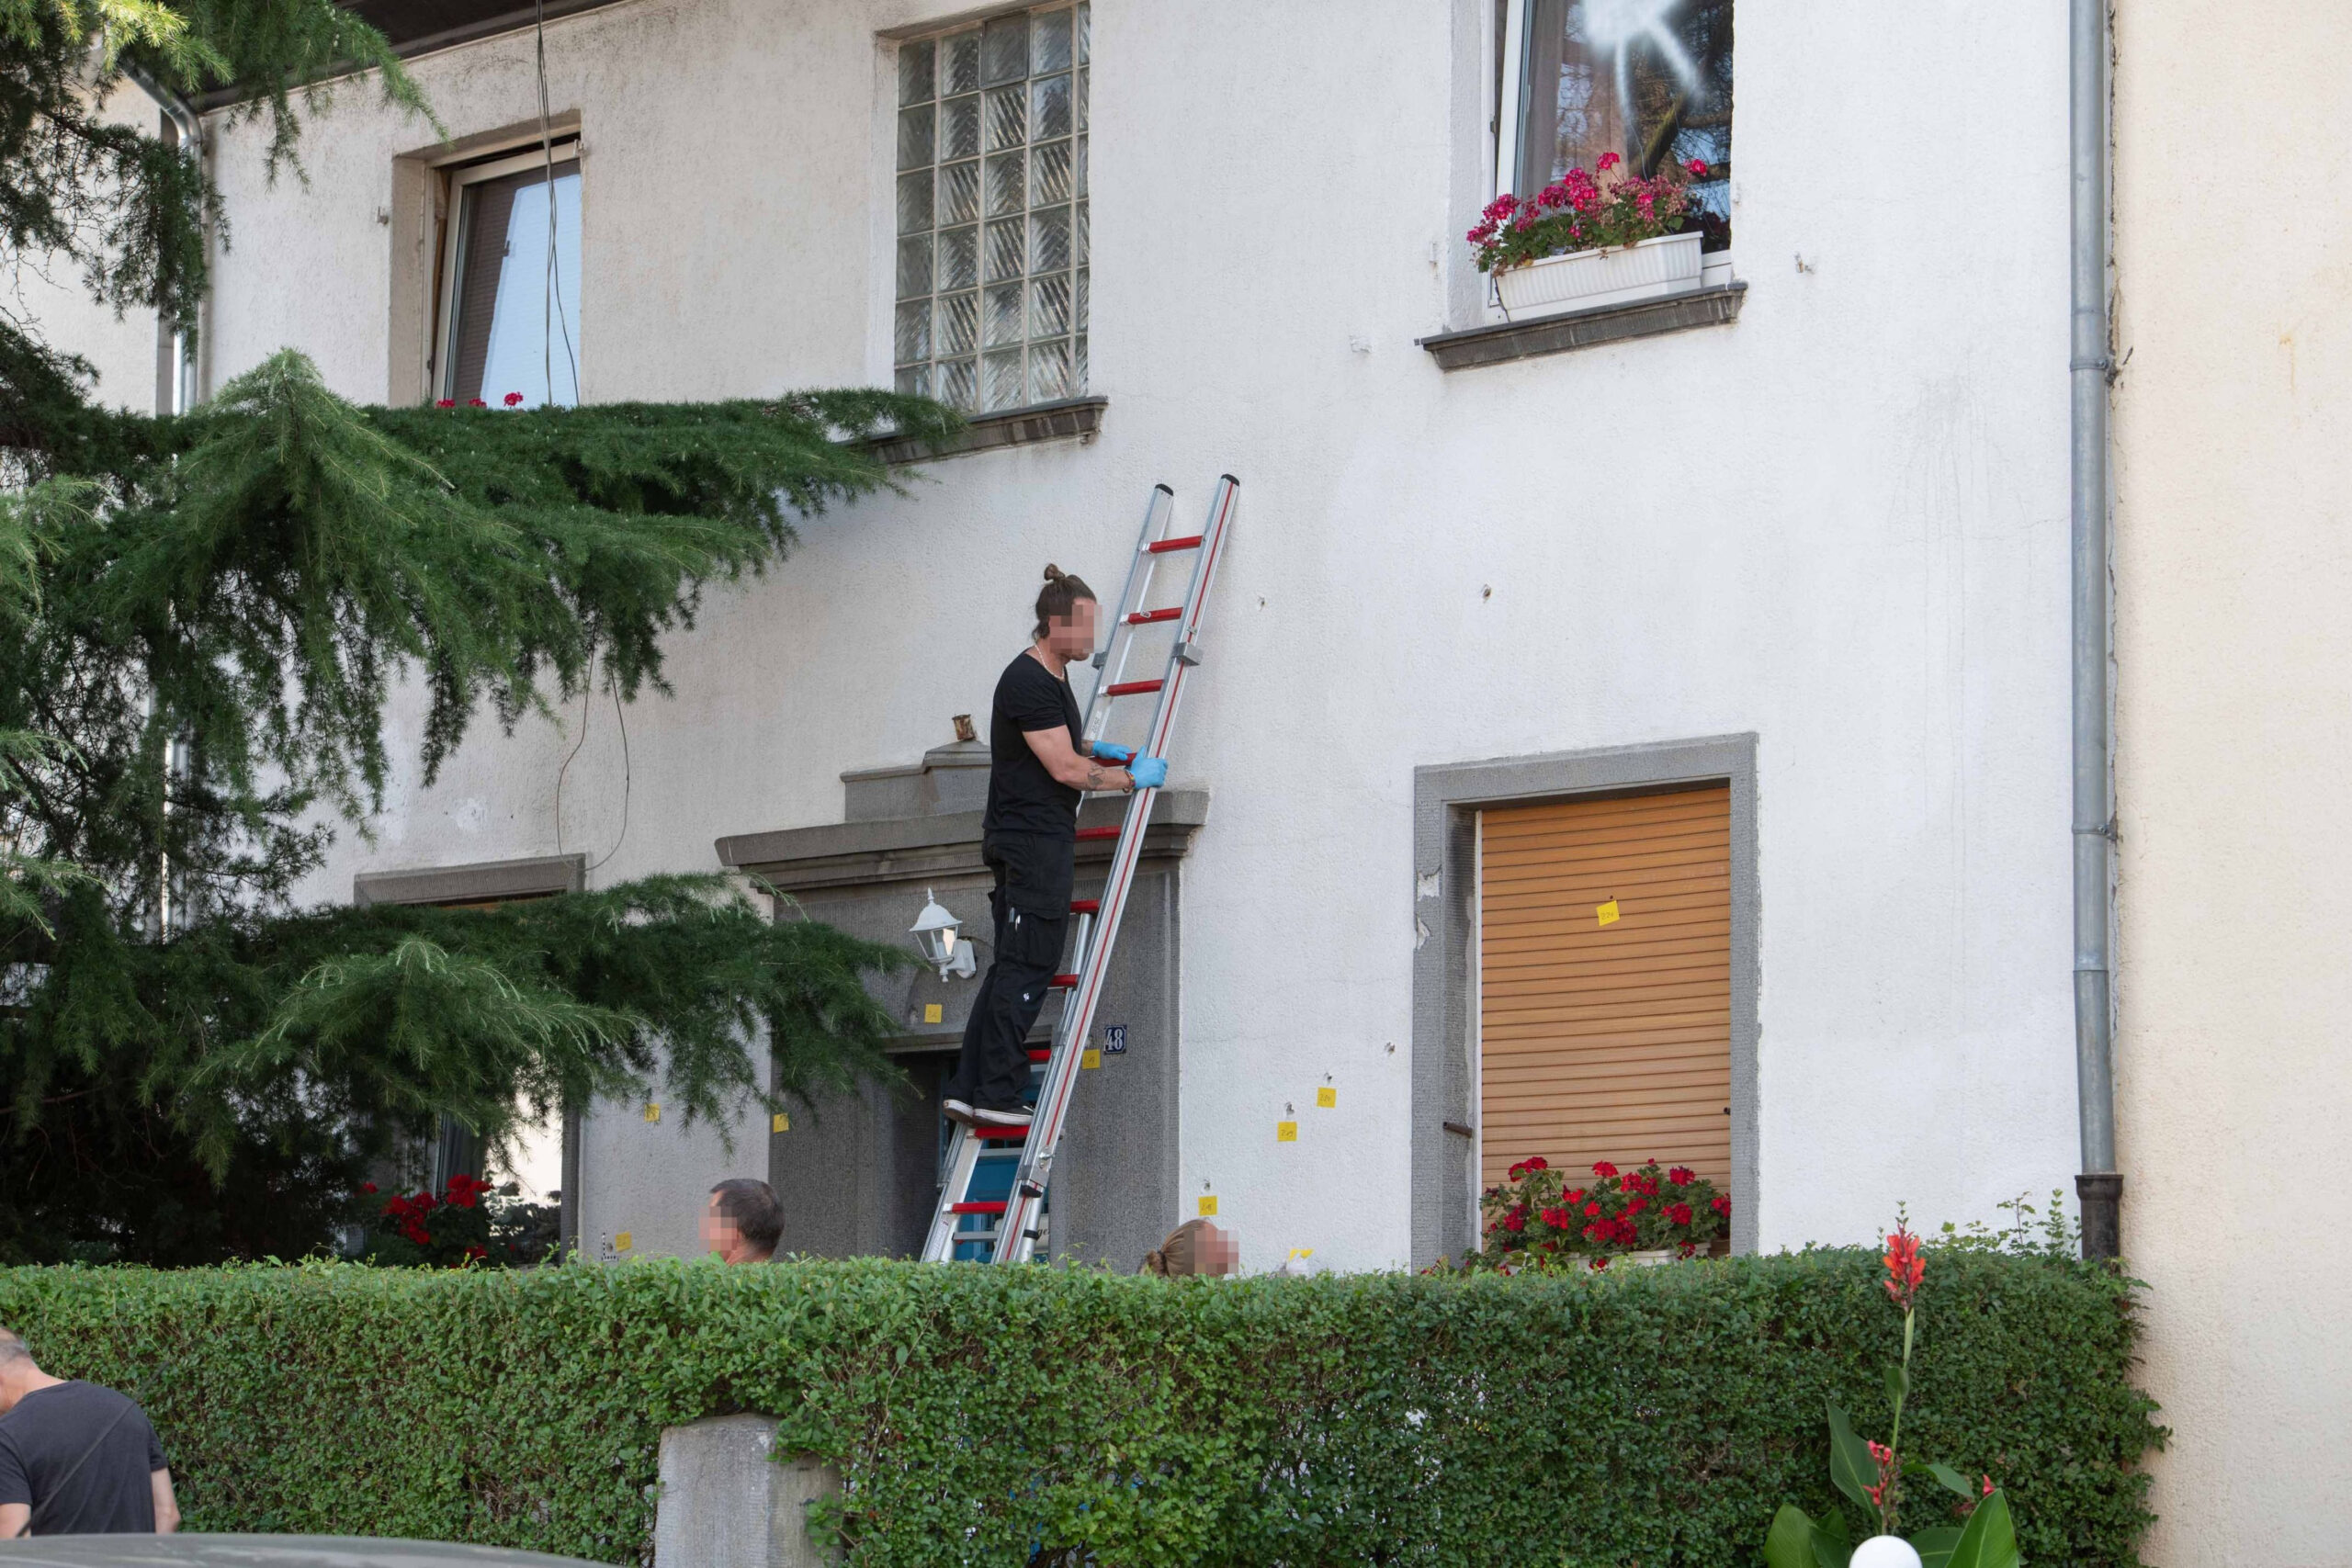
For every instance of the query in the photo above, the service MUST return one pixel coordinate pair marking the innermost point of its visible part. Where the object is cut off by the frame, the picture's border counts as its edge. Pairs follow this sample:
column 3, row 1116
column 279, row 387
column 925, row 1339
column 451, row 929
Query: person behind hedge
column 742, row 1222
column 76, row 1459
column 1038, row 769
column 1196, row 1247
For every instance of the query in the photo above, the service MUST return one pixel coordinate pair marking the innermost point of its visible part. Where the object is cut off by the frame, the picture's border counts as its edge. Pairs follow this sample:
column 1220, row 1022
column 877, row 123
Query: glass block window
column 991, row 310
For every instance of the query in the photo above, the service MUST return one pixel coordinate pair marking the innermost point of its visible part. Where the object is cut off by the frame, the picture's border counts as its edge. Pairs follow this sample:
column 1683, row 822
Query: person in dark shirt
column 76, row 1459
column 1029, row 838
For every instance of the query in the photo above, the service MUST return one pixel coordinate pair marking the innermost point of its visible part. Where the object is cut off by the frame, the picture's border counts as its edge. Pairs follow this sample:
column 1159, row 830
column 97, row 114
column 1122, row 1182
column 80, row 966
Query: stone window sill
column 1072, row 418
column 1585, row 329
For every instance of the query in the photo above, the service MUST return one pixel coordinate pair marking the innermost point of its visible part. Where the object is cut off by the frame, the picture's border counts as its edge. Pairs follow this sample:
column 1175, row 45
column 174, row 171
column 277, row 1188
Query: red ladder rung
column 1098, row 833
column 1038, row 1053
column 1130, row 688
column 996, row 1208
column 1000, row 1132
column 1064, row 982
column 1086, row 906
column 1161, row 547
column 1147, row 618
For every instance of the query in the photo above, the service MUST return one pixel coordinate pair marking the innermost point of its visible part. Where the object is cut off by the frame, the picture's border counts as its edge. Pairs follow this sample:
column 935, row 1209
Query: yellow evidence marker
column 1327, row 1097
column 779, row 1122
column 1090, row 1058
column 1606, row 912
column 1208, row 1203
column 1285, row 1132
column 931, row 1012
column 653, row 1111
column 624, row 1240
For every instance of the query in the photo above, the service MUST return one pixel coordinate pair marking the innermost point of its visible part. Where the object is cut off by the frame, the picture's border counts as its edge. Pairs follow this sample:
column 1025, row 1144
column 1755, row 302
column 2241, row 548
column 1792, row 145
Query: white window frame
column 453, row 222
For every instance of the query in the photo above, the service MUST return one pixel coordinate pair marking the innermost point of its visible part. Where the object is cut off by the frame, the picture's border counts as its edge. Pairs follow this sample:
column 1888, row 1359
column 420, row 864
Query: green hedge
column 1645, row 1418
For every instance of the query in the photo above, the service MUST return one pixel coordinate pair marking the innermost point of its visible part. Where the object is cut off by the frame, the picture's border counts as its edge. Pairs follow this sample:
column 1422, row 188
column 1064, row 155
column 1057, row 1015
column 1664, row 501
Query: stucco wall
column 1838, row 524
column 46, row 296
column 2234, row 575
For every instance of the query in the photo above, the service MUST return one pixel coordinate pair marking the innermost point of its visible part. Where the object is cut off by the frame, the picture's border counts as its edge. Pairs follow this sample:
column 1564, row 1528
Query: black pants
column 1031, row 904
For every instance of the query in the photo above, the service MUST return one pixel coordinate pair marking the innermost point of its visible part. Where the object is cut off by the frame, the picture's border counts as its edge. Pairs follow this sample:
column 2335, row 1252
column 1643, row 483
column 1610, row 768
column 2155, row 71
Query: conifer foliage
column 202, row 620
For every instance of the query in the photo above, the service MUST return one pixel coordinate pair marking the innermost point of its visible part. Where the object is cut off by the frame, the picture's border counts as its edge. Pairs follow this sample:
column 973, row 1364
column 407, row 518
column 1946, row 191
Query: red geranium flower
column 445, row 403
column 1601, row 1166
column 476, row 403
column 513, row 399
column 1682, row 1175
column 1721, row 1206
column 1591, row 1211
column 1678, row 1213
column 367, row 1187
column 1574, row 1197
column 1697, row 166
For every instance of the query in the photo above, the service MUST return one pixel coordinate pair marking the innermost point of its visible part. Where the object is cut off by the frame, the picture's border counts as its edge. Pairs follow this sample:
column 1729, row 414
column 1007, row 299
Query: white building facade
column 1798, row 537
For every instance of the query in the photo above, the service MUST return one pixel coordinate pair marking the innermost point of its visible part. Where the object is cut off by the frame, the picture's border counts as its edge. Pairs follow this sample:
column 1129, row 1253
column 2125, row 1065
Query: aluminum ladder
column 992, row 1203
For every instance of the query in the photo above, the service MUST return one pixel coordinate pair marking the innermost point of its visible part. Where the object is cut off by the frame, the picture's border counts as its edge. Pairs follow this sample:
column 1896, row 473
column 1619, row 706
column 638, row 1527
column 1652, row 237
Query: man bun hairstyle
column 1058, row 597
column 751, row 1208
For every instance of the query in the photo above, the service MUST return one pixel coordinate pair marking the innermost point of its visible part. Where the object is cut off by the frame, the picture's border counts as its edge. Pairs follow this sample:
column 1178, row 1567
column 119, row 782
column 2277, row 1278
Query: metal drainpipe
column 2099, row 1187
column 176, row 379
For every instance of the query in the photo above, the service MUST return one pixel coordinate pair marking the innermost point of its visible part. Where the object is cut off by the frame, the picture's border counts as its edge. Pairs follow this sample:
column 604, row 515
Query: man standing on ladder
column 1029, row 838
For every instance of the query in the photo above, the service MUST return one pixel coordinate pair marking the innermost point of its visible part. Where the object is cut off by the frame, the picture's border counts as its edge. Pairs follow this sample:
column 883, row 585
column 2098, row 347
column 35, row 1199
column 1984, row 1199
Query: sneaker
column 990, row 1116
column 956, row 1110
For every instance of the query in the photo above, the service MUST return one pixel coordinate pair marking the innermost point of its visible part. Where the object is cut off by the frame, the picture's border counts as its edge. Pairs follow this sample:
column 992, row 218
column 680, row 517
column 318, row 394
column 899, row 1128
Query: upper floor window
column 1648, row 79
column 509, row 282
column 991, row 280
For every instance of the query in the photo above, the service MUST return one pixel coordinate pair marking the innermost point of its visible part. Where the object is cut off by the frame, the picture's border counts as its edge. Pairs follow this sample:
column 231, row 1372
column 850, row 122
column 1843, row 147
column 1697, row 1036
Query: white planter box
column 1649, row 1258
column 1652, row 269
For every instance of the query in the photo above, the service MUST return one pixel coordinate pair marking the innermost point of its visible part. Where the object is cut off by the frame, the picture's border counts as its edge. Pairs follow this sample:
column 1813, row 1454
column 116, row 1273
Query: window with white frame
column 508, row 287
column 1648, row 79
column 991, row 275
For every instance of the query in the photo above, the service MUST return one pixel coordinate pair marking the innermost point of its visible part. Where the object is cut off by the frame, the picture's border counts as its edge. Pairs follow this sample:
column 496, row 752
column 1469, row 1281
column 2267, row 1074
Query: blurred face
column 1215, row 1252
column 719, row 1235
column 1070, row 638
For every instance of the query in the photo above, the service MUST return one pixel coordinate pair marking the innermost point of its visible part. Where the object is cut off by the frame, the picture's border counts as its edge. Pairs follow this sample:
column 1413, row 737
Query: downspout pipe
column 2099, row 1186
column 175, row 369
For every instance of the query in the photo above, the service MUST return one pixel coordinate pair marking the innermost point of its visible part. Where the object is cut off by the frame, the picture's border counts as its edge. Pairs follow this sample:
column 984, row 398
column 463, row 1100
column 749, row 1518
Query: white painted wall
column 46, row 296
column 2233, row 575
column 1839, row 523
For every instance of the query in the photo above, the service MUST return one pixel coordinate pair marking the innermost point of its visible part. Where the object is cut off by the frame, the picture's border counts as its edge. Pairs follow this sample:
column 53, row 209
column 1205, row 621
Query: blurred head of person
column 743, row 1221
column 1196, row 1247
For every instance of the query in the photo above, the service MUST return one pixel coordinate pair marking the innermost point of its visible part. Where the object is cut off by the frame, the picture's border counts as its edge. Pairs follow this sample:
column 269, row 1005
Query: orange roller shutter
column 1606, row 1042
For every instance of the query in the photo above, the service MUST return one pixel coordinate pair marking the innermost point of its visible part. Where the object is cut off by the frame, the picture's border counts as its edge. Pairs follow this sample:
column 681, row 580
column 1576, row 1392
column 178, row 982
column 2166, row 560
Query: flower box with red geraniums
column 1542, row 1219
column 1580, row 241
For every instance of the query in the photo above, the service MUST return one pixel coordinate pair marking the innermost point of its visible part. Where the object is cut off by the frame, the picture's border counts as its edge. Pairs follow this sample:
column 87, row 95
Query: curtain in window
column 509, row 335
column 1649, row 79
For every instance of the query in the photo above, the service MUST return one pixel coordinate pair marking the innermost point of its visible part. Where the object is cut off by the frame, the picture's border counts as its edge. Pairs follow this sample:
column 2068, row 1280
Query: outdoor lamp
column 934, row 932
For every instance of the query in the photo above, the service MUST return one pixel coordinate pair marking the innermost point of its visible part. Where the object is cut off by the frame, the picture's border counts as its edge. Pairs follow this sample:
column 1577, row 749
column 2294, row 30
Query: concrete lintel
column 1585, row 329
column 479, row 882
column 908, row 849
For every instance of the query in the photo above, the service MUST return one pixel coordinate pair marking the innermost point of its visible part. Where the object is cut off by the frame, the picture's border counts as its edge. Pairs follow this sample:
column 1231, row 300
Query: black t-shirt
column 45, row 1438
column 1022, row 796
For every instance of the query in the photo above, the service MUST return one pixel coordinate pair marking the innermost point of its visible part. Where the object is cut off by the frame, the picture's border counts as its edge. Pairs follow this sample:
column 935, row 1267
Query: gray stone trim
column 1585, row 329
column 911, row 849
column 483, row 880
column 1072, row 418
column 1445, row 803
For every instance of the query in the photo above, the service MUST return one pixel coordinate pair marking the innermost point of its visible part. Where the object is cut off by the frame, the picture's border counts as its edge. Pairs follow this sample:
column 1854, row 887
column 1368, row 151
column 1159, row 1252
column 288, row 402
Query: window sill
column 1585, row 329
column 1071, row 419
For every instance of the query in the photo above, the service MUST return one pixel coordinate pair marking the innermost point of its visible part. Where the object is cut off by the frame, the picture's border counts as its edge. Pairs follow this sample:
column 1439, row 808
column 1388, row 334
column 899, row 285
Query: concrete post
column 727, row 1502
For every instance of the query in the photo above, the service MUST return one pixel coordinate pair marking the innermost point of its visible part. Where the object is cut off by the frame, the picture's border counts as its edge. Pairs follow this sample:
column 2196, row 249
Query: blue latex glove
column 1149, row 773
column 1106, row 752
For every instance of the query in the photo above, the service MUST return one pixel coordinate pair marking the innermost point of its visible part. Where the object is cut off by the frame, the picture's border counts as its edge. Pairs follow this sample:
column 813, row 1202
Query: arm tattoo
column 1094, row 778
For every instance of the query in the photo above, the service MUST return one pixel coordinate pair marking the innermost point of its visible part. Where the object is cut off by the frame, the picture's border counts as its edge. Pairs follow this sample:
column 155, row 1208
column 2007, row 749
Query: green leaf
column 1851, row 1469
column 1990, row 1540
column 1789, row 1543
column 1934, row 1546
column 1952, row 1480
column 1898, row 1382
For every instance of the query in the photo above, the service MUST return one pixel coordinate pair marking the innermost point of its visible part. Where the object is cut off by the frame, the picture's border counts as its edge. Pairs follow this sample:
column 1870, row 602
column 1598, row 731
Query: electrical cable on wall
column 552, row 316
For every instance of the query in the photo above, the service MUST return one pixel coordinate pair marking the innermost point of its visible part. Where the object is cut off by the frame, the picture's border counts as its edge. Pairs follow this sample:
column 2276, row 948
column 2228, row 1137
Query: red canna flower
column 1905, row 1268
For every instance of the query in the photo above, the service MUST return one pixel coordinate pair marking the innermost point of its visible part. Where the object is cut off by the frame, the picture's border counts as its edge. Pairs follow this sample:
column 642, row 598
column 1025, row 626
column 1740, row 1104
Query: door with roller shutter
column 1604, row 982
